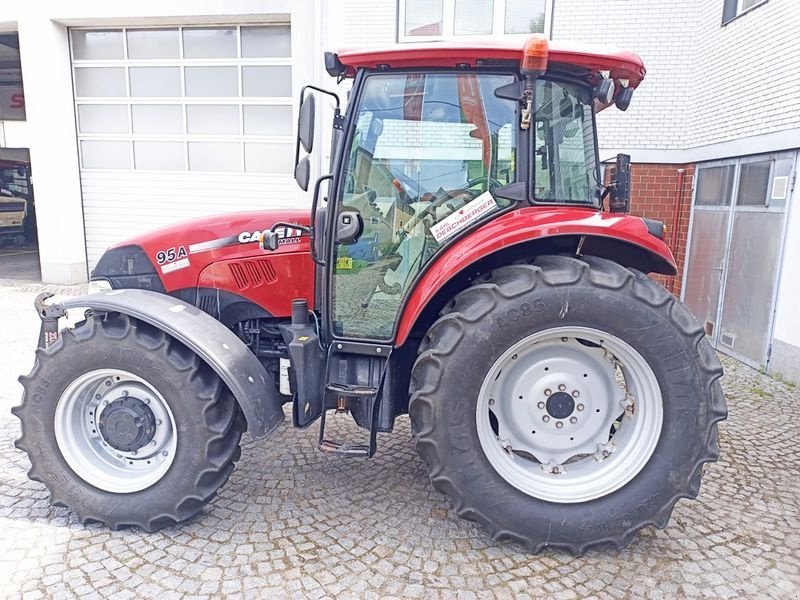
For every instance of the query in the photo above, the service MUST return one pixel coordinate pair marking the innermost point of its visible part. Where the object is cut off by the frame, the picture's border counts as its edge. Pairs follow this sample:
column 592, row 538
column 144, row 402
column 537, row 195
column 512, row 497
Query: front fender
column 536, row 223
column 214, row 343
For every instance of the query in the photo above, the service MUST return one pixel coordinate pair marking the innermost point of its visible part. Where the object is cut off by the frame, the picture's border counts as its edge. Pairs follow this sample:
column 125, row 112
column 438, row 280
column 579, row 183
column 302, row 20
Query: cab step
column 345, row 449
column 352, row 391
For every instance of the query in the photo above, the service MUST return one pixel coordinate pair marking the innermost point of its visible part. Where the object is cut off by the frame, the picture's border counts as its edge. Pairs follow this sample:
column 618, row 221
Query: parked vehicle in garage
column 466, row 266
column 17, row 213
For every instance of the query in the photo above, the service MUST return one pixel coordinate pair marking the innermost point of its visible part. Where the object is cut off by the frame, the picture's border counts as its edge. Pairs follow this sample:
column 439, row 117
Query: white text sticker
column 464, row 216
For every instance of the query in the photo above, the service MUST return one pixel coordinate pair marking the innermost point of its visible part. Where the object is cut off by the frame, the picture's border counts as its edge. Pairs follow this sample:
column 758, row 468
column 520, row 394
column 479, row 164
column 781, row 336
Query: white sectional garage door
column 180, row 122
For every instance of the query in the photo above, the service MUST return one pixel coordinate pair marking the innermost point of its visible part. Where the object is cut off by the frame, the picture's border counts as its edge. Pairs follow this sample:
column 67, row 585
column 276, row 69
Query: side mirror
column 269, row 240
column 621, row 185
column 623, row 98
column 349, row 226
column 302, row 173
column 305, row 122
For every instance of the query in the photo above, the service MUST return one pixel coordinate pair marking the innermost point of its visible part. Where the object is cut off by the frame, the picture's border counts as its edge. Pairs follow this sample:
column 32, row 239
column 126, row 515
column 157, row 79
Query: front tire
column 126, row 426
column 566, row 403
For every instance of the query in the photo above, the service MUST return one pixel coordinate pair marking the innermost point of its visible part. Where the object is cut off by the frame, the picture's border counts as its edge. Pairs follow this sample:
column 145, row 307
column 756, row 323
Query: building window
column 426, row 20
column 211, row 99
column 12, row 98
column 733, row 8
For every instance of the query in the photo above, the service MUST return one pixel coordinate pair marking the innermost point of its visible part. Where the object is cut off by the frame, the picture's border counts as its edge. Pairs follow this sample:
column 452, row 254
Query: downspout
column 673, row 240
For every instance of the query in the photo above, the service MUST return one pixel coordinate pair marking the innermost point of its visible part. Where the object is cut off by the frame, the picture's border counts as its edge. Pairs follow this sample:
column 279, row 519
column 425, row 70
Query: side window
column 425, row 152
column 565, row 161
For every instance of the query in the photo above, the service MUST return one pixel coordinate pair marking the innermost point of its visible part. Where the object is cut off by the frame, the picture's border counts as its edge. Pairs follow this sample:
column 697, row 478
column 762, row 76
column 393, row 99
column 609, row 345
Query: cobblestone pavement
column 292, row 522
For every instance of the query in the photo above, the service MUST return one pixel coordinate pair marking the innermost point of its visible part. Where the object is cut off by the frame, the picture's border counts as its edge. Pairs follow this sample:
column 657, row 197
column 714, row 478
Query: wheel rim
column 115, row 430
column 569, row 414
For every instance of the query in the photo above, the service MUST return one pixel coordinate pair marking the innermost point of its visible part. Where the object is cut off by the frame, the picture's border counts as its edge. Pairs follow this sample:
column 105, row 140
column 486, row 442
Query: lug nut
column 164, row 453
column 573, row 420
column 548, row 391
column 559, row 424
column 561, row 387
column 124, row 392
column 491, row 401
column 575, row 393
column 580, row 407
column 540, row 405
column 545, row 418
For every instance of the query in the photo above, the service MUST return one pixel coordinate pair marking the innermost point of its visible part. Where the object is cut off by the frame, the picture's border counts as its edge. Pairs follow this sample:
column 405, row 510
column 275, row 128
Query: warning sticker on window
column 464, row 216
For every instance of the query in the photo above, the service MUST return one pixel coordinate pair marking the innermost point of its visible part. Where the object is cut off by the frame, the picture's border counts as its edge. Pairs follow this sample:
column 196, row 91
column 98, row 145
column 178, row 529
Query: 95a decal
column 170, row 255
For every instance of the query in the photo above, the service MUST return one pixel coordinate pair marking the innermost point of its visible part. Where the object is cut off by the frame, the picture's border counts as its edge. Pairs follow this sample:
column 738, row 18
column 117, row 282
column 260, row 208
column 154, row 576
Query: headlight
column 99, row 285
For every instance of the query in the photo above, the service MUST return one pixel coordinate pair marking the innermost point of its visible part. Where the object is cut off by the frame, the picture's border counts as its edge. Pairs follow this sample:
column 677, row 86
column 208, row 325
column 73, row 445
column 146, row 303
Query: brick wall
column 654, row 191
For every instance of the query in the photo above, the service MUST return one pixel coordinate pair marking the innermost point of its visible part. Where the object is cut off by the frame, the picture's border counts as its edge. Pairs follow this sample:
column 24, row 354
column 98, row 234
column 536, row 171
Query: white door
column 734, row 258
column 180, row 122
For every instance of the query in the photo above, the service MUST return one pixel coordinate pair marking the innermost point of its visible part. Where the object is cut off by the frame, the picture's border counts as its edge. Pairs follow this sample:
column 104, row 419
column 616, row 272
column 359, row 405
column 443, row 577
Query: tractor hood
column 174, row 257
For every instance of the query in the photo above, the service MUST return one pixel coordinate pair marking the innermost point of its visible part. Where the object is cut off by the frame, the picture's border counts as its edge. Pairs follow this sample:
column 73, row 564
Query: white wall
column 368, row 23
column 787, row 317
column 49, row 131
column 747, row 83
column 663, row 34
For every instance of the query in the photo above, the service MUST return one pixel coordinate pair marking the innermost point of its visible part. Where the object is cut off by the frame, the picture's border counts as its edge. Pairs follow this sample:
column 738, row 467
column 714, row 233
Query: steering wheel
column 491, row 181
column 437, row 202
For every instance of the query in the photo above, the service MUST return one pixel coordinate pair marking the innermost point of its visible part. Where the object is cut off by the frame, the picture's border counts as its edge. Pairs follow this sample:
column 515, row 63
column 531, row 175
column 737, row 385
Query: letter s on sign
column 17, row 101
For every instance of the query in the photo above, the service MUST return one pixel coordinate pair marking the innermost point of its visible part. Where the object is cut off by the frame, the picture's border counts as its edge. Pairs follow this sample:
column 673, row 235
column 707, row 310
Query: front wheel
column 126, row 426
column 567, row 403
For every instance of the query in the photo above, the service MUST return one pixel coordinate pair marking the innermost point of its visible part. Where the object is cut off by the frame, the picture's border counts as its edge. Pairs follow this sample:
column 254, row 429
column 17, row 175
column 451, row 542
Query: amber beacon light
column 534, row 55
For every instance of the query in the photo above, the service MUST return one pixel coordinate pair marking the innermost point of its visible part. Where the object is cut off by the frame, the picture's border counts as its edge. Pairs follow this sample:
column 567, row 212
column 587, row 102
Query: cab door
column 423, row 154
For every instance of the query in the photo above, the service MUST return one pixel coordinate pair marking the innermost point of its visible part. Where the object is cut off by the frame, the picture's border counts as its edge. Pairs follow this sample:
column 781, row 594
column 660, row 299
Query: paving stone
column 294, row 523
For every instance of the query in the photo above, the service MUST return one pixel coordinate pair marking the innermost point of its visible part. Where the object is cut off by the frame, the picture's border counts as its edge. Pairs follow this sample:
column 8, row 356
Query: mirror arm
column 333, row 95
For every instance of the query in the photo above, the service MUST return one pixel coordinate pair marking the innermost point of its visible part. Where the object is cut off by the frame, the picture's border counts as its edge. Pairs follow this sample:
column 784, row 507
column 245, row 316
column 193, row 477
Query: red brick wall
column 654, row 193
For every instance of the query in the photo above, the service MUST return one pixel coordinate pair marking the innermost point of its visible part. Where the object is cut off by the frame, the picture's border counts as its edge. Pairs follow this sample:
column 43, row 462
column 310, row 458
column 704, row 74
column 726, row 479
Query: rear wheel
column 567, row 403
column 126, row 426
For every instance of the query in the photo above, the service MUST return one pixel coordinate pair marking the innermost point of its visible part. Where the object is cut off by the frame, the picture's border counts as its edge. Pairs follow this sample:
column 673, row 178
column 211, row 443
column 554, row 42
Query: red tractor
column 460, row 265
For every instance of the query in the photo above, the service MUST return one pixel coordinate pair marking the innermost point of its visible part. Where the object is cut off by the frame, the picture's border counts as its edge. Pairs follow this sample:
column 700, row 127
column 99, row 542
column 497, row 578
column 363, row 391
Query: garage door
column 180, row 122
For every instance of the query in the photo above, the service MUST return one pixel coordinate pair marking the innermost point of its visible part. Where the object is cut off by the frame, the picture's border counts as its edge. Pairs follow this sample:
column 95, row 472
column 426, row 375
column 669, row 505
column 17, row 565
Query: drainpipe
column 675, row 218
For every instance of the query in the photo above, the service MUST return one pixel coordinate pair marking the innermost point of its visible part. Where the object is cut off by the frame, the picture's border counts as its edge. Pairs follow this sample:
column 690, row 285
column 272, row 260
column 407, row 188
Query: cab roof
column 588, row 60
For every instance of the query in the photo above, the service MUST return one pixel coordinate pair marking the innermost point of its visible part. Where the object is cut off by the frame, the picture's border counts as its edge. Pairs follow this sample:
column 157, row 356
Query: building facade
column 141, row 114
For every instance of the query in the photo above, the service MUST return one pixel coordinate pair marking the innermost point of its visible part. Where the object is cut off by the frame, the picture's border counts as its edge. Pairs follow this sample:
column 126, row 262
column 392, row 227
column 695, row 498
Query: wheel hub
column 127, row 424
column 560, row 405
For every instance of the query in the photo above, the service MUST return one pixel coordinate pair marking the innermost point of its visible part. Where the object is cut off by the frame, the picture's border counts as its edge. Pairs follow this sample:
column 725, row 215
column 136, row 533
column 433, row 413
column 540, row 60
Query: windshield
column 565, row 157
column 426, row 152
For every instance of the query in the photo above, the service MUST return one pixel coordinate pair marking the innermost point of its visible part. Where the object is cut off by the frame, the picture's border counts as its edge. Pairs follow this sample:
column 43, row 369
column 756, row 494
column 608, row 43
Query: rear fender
column 518, row 234
column 214, row 343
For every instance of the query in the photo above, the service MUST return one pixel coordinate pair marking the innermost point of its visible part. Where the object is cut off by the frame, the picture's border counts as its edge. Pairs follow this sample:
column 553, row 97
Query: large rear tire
column 126, row 426
column 566, row 403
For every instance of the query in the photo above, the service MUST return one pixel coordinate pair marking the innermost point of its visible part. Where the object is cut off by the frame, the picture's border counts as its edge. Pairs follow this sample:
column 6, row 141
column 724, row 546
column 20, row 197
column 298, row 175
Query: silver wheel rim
column 535, row 443
column 85, row 449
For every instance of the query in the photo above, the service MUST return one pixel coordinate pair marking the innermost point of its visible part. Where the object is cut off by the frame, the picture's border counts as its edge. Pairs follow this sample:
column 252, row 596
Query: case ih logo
column 286, row 235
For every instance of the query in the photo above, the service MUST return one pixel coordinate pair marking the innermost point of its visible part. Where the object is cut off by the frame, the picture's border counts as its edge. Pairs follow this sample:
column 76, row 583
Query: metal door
column 734, row 258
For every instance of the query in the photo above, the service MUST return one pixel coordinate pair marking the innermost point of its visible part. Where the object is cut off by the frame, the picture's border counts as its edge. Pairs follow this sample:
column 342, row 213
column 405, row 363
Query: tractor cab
column 438, row 140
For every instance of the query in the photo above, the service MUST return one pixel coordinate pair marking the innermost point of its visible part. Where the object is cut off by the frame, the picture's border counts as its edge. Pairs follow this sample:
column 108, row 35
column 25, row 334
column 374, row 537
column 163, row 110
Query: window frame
column 239, row 62
column 448, row 23
column 733, row 9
